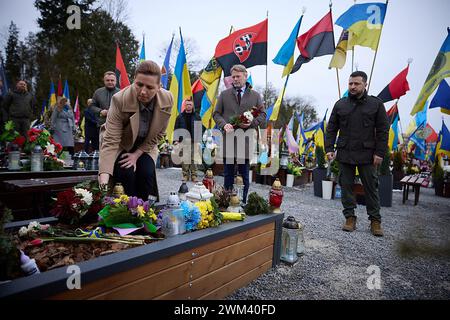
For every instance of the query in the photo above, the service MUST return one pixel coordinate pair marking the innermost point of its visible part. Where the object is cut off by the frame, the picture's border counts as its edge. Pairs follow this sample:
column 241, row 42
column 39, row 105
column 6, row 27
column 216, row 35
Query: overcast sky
column 412, row 29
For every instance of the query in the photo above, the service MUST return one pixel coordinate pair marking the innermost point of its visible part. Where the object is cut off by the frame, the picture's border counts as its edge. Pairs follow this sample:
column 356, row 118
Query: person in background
column 63, row 125
column 20, row 107
column 186, row 121
column 101, row 100
column 91, row 130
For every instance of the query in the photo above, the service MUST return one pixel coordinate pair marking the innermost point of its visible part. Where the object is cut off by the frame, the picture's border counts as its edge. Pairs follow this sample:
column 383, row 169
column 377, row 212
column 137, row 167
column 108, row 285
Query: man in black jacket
column 20, row 106
column 101, row 100
column 363, row 141
column 186, row 121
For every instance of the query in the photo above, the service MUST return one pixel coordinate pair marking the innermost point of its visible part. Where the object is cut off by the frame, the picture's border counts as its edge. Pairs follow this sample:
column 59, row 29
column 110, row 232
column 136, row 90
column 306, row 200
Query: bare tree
column 194, row 62
column 118, row 9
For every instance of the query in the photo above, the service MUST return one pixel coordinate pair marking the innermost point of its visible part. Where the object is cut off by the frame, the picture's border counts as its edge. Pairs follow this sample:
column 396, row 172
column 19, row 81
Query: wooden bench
column 416, row 181
column 37, row 188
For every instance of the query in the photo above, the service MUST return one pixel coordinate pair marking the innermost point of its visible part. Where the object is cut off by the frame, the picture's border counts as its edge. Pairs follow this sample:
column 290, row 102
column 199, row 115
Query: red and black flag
column 317, row 41
column 396, row 88
column 246, row 46
column 121, row 71
column 392, row 113
column 198, row 91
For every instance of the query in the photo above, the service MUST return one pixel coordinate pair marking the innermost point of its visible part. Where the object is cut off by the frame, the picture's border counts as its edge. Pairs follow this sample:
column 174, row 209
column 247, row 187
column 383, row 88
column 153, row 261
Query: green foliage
column 118, row 216
column 256, row 205
column 334, row 167
column 217, row 220
column 9, row 133
column 398, row 161
column 9, row 254
column 13, row 61
column 384, row 167
column 320, row 157
column 294, row 169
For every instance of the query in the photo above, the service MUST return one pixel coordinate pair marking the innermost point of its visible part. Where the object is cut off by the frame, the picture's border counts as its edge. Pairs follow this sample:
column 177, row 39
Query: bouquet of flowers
column 210, row 214
column 43, row 138
column 245, row 118
column 80, row 203
column 128, row 214
column 192, row 215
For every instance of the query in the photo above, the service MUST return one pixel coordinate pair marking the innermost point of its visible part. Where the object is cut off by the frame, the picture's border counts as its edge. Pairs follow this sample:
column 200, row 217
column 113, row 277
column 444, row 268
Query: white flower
column 249, row 116
column 50, row 148
column 23, row 231
column 34, row 225
column 86, row 195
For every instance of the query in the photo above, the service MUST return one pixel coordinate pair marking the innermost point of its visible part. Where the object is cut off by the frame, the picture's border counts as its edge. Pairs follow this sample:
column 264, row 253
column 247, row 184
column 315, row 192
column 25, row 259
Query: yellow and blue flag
column 180, row 87
column 340, row 53
column 142, row 54
column 66, row 92
column 364, row 22
column 166, row 66
column 443, row 146
column 52, row 96
column 318, row 132
column 275, row 110
column 439, row 71
column 210, row 79
column 285, row 56
column 442, row 98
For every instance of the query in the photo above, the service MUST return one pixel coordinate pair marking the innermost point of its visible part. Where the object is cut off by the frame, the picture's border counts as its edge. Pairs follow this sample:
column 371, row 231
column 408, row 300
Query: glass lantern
column 183, row 191
column 37, row 159
column 14, row 158
column 238, row 187
column 289, row 240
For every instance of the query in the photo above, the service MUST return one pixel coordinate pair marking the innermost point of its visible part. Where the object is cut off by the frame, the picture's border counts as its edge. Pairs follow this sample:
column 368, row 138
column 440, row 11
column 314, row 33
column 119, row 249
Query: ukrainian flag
column 443, row 146
column 210, row 78
column 318, row 131
column 439, row 71
column 301, row 138
column 285, row 56
column 393, row 135
column 66, row 93
column 364, row 22
column 52, row 96
column 142, row 54
column 277, row 105
column 180, row 87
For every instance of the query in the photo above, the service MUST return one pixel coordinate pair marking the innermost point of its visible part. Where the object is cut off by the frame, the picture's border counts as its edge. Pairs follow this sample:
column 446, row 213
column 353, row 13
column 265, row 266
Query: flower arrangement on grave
column 79, row 204
column 192, row 215
column 128, row 214
column 210, row 213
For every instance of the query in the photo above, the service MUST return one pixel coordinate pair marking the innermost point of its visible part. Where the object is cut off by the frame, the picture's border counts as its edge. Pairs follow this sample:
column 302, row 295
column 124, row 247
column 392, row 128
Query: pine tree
column 12, row 63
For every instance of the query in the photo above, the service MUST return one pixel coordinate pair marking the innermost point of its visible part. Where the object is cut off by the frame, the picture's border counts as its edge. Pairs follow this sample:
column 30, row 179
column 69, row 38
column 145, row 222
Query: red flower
column 36, row 242
column 32, row 138
column 20, row 140
column 58, row 147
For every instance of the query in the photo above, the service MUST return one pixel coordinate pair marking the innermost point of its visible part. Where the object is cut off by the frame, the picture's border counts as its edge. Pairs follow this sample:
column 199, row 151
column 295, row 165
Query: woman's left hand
column 129, row 160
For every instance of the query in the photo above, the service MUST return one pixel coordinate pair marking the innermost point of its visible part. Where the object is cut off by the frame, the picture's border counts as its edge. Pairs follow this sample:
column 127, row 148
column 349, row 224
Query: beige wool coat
column 122, row 126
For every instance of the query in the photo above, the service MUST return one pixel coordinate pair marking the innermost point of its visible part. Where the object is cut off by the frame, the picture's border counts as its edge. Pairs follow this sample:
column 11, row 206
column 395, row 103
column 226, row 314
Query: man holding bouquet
column 239, row 107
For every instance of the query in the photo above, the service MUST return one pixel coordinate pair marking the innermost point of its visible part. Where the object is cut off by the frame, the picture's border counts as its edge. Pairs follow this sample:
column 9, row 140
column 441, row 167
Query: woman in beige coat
column 136, row 121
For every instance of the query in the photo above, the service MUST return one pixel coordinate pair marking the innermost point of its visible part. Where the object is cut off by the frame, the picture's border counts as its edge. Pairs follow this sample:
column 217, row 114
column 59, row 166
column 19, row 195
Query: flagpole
column 334, row 44
column 267, row 49
column 376, row 51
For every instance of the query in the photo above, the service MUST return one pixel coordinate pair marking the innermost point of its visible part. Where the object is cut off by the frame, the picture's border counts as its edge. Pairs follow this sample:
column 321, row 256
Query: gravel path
column 413, row 257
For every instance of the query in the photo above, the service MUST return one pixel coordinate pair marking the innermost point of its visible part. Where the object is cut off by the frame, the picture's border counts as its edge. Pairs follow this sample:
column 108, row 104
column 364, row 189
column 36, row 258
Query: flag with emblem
column 245, row 46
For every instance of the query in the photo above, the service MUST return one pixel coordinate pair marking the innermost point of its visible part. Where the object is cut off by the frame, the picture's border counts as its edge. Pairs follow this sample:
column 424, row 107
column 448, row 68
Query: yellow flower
column 154, row 217
column 140, row 211
column 117, row 200
column 124, row 198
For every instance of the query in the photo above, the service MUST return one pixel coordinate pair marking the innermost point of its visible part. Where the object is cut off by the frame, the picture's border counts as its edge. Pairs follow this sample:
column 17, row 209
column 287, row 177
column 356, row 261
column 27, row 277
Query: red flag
column 246, row 46
column 392, row 113
column 121, row 71
column 317, row 41
column 197, row 91
column 396, row 88
column 432, row 137
column 60, row 87
column 76, row 111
